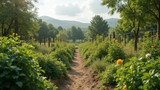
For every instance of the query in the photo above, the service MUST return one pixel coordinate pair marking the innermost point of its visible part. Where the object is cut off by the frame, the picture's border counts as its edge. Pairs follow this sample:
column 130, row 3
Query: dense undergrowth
column 118, row 66
column 23, row 68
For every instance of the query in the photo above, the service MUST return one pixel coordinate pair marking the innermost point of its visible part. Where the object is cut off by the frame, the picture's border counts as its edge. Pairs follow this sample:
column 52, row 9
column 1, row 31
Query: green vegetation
column 18, row 67
column 98, row 26
column 116, row 65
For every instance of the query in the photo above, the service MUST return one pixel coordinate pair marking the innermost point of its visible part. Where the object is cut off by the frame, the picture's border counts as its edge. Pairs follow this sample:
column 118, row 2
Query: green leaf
column 16, row 68
column 20, row 84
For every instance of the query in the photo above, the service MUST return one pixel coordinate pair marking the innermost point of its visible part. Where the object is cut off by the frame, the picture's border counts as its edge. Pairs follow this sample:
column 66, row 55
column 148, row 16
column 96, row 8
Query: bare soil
column 79, row 77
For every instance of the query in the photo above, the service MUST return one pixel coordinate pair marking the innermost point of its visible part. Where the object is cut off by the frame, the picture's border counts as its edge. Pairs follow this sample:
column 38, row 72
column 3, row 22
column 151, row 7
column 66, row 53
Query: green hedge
column 19, row 70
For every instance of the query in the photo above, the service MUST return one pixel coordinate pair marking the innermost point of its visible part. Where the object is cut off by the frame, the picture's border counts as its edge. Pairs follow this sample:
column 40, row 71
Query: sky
column 76, row 10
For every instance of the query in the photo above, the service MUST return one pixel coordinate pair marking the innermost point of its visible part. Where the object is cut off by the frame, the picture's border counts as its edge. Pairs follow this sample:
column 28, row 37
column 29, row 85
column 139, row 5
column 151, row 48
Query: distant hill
column 64, row 23
column 67, row 24
column 112, row 22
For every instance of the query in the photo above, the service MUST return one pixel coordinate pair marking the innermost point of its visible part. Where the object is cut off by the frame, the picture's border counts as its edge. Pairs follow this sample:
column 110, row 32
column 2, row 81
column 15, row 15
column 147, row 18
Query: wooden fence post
column 110, row 37
column 114, row 35
column 44, row 40
column 48, row 41
column 125, row 40
column 152, row 36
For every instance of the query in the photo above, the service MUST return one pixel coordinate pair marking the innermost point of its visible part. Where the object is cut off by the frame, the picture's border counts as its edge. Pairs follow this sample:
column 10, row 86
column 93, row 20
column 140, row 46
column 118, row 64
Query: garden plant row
column 109, row 59
column 21, row 67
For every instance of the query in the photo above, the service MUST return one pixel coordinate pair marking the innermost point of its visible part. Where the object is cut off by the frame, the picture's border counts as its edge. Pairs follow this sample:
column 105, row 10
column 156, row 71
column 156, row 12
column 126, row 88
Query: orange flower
column 152, row 46
column 13, row 34
column 34, row 39
column 121, row 47
column 119, row 61
column 114, row 39
column 105, row 42
column 124, row 87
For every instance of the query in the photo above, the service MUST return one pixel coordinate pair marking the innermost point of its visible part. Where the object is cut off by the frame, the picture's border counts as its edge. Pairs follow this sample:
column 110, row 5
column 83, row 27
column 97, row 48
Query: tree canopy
column 18, row 16
column 98, row 26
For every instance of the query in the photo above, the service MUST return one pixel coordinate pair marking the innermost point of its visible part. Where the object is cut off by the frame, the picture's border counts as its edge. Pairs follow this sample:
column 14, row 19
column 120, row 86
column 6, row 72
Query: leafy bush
column 63, row 52
column 152, row 48
column 108, row 77
column 139, row 74
column 115, row 52
column 99, row 65
column 53, row 68
column 18, row 68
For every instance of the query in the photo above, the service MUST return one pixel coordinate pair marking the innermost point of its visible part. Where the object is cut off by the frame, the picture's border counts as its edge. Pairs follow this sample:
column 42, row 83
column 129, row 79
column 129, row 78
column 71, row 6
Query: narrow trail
column 79, row 77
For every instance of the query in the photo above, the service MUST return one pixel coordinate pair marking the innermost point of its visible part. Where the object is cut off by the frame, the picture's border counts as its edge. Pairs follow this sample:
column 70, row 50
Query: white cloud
column 78, row 10
column 96, row 7
column 69, row 9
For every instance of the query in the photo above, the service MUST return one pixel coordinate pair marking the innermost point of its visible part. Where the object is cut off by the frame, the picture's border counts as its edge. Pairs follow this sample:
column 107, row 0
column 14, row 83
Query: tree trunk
column 53, row 40
column 158, row 29
column 2, row 29
column 48, row 41
column 125, row 40
column 135, row 41
column 16, row 25
column 40, row 41
column 44, row 40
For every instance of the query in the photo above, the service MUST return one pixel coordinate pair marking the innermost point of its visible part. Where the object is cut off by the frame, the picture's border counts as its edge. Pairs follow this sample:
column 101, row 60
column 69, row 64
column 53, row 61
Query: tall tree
column 17, row 16
column 80, row 34
column 52, row 31
column 74, row 33
column 60, row 28
column 98, row 26
column 43, row 31
column 152, row 8
column 131, row 14
column 62, row 36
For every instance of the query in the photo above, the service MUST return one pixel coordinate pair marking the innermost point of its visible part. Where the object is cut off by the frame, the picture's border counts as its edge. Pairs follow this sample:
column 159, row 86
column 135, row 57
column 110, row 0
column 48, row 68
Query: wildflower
column 124, row 87
column 116, row 40
column 0, row 41
column 105, row 42
column 25, row 41
column 148, row 55
column 121, row 47
column 152, row 46
column 13, row 34
column 34, row 39
column 64, row 56
column 119, row 61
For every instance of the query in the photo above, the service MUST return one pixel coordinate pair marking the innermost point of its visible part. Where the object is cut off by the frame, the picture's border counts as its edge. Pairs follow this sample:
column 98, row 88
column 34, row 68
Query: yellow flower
column 121, row 47
column 13, row 34
column 119, row 61
column 34, row 39
column 124, row 87
column 105, row 42
column 116, row 40
column 152, row 46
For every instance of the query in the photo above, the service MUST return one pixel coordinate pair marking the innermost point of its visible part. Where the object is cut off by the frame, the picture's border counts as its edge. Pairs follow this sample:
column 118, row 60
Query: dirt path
column 79, row 77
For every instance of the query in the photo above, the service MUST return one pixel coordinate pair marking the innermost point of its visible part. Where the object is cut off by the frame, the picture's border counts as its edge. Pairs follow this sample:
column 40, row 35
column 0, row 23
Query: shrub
column 139, row 74
column 152, row 48
column 99, row 65
column 18, row 68
column 108, row 77
column 62, row 55
column 53, row 68
column 115, row 52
